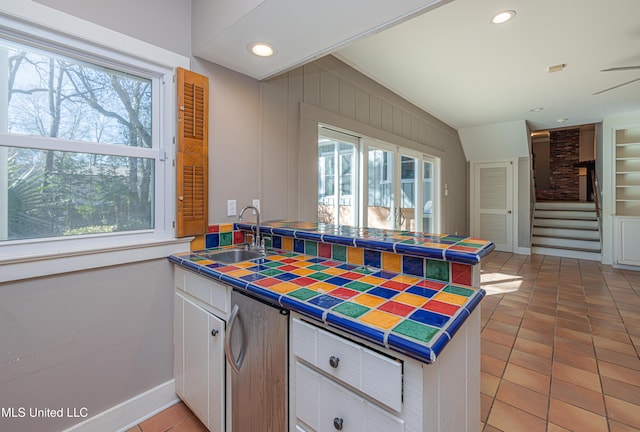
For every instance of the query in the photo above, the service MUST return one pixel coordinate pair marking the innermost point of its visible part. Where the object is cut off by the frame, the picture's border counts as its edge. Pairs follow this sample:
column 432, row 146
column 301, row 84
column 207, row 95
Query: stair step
column 565, row 214
column 567, row 233
column 588, row 245
column 566, row 223
column 566, row 205
column 568, row 253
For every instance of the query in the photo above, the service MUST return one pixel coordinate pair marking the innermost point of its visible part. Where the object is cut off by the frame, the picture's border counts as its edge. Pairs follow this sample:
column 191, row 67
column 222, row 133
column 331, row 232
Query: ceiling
column 457, row 65
column 450, row 60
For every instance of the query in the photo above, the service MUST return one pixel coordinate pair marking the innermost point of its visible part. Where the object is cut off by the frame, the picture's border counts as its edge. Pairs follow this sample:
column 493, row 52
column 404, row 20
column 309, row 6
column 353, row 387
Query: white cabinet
column 627, row 170
column 374, row 389
column 201, row 308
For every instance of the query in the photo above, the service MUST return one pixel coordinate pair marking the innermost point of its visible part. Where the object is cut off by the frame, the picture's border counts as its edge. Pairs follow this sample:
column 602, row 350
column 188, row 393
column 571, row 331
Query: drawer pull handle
column 334, row 361
column 337, row 423
column 214, row 332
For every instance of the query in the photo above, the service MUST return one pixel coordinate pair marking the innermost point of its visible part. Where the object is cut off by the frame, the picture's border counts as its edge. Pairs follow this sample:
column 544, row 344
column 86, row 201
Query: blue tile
column 412, row 349
column 424, row 292
column 346, row 241
column 252, row 277
column 212, row 240
column 413, row 265
column 430, row 318
column 384, row 274
column 339, row 281
column 302, row 307
column 364, row 331
column 347, row 266
column 454, row 326
column 277, row 242
column 382, row 292
column 286, row 276
column 372, row 258
column 325, row 301
column 438, row 345
column 298, row 246
column 377, row 245
column 403, row 248
column 306, row 235
column 462, row 257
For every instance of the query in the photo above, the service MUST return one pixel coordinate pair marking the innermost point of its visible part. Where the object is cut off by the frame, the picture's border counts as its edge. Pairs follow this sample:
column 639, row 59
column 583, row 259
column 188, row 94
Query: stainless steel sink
column 232, row 256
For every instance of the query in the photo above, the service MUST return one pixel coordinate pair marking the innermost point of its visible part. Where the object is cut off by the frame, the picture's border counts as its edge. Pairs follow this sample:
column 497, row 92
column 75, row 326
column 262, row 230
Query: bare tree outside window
column 53, row 191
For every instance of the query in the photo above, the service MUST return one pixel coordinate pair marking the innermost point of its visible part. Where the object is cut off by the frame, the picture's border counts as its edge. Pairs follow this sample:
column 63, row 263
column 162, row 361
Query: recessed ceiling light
column 261, row 49
column 503, row 17
column 536, row 109
column 562, row 120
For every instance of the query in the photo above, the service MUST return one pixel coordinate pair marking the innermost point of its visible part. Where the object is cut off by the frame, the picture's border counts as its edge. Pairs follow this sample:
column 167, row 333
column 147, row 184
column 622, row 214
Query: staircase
column 566, row 229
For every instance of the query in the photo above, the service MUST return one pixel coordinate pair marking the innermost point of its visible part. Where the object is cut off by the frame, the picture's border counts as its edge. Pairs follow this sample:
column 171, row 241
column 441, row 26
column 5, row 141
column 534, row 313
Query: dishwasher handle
column 234, row 321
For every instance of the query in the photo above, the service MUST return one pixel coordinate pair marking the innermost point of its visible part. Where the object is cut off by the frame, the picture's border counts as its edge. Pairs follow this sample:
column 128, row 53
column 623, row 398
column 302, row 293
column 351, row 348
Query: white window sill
column 64, row 261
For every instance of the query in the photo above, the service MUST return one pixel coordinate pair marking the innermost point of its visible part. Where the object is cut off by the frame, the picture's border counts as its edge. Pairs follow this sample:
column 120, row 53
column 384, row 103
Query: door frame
column 511, row 164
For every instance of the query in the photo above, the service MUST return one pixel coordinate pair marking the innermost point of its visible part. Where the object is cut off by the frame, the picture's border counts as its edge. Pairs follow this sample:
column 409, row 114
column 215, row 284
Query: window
column 337, row 156
column 399, row 185
column 80, row 143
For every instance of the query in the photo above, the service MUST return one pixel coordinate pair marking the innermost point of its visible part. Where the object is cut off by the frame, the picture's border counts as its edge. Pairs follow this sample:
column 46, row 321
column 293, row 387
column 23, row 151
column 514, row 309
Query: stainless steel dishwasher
column 256, row 349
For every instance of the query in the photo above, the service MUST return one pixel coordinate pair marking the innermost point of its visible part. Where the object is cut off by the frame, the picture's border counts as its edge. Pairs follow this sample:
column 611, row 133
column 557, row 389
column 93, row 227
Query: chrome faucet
column 257, row 239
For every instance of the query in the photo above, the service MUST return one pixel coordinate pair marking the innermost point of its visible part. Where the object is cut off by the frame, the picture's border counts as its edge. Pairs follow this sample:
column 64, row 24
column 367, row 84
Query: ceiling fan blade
column 617, row 86
column 621, row 68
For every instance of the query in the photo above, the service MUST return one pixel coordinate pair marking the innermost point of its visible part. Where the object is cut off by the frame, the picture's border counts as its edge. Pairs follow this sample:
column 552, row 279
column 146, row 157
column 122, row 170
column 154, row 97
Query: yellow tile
column 197, row 243
column 287, row 243
column 410, row 280
column 380, row 319
column 372, row 280
column 204, row 262
column 226, row 228
column 391, row 262
column 410, row 299
column 245, row 264
column 333, row 271
column 302, row 258
column 239, row 273
column 355, row 255
column 284, row 287
column 322, row 287
column 450, row 298
column 368, row 300
column 302, row 271
column 302, row 264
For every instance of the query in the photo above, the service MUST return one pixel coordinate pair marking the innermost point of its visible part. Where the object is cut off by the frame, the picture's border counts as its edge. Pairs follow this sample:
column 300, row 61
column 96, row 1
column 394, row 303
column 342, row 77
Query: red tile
column 440, row 307
column 344, row 293
column 213, row 229
column 287, row 268
column 267, row 282
column 238, row 237
column 304, row 281
column 352, row 275
column 396, row 308
column 461, row 273
column 398, row 286
column 324, row 250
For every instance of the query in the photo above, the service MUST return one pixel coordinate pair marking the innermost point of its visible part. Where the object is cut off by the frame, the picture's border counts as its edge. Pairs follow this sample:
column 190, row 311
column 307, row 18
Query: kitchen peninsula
column 384, row 330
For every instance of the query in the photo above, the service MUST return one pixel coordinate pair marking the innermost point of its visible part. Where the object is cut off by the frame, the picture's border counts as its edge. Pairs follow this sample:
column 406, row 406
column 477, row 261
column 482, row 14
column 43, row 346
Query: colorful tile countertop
column 467, row 250
column 408, row 314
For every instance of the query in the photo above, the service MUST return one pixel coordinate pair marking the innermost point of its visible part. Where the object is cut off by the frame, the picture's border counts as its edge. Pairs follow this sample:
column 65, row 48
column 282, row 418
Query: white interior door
column 492, row 203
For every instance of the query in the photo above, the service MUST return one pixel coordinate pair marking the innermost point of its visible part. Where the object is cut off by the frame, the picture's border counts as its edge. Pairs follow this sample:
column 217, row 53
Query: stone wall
column 564, row 148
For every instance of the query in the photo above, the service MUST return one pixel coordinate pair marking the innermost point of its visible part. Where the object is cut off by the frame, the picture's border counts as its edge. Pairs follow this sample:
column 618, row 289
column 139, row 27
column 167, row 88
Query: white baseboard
column 522, row 250
column 130, row 412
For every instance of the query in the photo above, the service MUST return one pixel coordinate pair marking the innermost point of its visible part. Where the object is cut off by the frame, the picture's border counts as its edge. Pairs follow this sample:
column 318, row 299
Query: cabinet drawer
column 374, row 374
column 323, row 405
column 209, row 291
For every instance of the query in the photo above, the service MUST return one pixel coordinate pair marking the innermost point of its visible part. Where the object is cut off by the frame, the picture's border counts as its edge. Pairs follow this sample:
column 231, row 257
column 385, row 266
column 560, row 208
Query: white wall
column 609, row 126
column 495, row 142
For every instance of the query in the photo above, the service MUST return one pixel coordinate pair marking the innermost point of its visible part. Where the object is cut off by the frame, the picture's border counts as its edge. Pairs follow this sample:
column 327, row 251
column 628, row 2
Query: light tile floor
column 560, row 349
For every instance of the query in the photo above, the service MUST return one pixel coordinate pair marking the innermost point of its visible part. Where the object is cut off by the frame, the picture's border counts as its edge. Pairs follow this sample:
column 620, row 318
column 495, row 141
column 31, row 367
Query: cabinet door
column 203, row 364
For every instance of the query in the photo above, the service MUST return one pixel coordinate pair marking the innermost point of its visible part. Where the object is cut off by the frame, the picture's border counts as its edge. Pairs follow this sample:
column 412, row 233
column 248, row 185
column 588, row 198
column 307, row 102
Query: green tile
column 350, row 309
column 267, row 242
column 359, row 286
column 311, row 247
column 365, row 270
column 271, row 272
column 317, row 267
column 467, row 244
column 458, row 290
column 339, row 253
column 415, row 330
column 226, row 239
column 272, row 263
column 303, row 294
column 320, row 276
column 438, row 270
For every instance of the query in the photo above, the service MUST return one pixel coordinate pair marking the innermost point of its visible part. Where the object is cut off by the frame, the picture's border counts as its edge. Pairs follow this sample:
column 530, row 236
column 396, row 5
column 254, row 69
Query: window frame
column 100, row 51
column 360, row 192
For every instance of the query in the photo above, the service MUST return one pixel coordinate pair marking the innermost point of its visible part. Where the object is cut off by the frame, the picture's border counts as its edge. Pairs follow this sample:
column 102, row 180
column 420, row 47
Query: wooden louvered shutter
column 192, row 153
